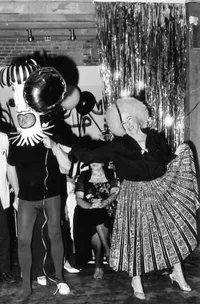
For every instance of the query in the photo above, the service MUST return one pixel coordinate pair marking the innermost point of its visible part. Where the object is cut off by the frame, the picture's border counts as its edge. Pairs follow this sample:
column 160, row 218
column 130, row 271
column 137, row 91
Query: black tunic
column 37, row 170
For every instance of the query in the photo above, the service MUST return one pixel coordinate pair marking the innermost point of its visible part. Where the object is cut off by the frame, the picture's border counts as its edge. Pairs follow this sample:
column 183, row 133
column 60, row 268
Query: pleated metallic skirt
column 155, row 224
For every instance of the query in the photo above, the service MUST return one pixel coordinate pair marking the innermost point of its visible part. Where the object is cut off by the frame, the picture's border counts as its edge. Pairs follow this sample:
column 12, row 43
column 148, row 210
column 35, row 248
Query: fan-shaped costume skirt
column 155, row 224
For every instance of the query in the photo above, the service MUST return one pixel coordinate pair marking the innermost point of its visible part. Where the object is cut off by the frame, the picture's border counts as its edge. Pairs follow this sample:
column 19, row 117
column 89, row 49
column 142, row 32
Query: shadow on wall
column 63, row 64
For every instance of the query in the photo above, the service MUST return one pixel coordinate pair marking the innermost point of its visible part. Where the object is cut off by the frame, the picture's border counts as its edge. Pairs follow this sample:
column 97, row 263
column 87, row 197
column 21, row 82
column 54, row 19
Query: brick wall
column 82, row 52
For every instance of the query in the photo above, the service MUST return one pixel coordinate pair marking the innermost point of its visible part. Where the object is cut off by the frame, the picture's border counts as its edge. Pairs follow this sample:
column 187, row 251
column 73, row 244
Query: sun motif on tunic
column 32, row 135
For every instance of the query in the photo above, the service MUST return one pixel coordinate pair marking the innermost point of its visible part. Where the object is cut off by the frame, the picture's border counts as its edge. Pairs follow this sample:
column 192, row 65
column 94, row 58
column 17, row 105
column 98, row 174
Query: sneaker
column 63, row 289
column 70, row 269
column 42, row 280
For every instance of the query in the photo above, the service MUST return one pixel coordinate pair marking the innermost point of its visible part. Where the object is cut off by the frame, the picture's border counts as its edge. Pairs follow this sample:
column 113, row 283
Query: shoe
column 184, row 286
column 63, row 289
column 107, row 258
column 70, row 269
column 137, row 288
column 139, row 295
column 6, row 277
column 42, row 280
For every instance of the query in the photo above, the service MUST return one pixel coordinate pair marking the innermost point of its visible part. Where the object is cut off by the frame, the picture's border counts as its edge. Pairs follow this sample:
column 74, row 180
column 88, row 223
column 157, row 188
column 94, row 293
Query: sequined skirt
column 155, row 224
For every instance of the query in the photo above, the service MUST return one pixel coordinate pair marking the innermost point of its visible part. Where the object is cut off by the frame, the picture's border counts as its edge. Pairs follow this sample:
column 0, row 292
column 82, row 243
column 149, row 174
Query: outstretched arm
column 60, row 154
column 101, row 154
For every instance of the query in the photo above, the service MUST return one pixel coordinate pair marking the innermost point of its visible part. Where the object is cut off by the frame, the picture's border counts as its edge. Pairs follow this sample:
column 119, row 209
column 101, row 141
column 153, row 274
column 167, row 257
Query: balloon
column 44, row 89
column 86, row 103
column 72, row 97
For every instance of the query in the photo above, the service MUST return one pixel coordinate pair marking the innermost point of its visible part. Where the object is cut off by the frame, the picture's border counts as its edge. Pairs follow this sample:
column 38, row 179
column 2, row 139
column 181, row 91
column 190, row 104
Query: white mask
column 29, row 128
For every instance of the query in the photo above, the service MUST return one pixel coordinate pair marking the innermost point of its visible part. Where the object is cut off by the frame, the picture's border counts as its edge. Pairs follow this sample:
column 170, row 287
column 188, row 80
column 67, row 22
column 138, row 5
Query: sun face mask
column 30, row 131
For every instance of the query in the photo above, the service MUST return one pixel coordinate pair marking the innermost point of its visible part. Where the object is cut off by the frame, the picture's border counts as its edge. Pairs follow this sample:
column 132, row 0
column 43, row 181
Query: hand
column 101, row 137
column 96, row 200
column 16, row 203
column 180, row 149
column 96, row 205
column 49, row 143
column 105, row 135
column 65, row 148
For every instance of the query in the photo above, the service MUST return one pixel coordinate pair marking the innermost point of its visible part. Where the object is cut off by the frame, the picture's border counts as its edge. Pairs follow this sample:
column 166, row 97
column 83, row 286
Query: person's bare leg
column 103, row 233
column 98, row 253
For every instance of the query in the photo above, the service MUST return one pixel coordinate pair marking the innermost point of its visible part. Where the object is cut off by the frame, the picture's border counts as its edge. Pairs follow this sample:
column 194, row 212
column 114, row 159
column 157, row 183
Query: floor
column 113, row 288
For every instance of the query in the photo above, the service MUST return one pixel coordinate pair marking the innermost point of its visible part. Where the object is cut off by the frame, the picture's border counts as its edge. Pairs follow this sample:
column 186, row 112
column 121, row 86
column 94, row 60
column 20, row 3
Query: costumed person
column 7, row 175
column 39, row 175
column 155, row 225
column 96, row 191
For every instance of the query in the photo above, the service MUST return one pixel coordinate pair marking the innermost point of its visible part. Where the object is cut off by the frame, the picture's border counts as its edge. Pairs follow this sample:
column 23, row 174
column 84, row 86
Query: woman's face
column 96, row 166
column 130, row 123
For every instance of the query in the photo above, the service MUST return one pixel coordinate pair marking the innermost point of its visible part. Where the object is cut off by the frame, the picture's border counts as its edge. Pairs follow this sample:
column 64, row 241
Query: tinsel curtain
column 142, row 50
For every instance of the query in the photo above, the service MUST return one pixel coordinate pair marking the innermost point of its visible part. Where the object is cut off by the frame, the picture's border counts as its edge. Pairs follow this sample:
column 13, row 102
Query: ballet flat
column 70, row 269
column 139, row 295
column 184, row 287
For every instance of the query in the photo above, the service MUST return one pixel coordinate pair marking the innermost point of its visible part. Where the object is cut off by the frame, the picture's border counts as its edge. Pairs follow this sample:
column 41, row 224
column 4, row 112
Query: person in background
column 68, row 236
column 7, row 175
column 96, row 190
column 155, row 225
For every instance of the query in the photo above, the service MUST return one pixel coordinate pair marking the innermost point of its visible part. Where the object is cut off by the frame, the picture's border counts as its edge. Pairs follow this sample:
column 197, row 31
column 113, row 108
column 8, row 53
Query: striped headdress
column 17, row 73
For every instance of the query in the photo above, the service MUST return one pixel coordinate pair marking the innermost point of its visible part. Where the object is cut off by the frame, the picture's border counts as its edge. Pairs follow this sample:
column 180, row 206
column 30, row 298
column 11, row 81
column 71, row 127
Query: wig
column 128, row 105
